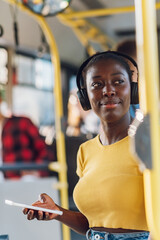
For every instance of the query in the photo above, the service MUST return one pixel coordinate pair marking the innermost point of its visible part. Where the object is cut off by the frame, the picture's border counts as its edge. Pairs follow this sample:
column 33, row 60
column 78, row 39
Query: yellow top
column 110, row 189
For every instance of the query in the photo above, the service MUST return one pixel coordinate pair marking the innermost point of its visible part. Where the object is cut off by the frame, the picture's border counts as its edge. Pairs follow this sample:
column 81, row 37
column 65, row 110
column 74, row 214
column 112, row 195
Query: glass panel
column 44, row 78
column 25, row 70
column 38, row 73
column 30, row 102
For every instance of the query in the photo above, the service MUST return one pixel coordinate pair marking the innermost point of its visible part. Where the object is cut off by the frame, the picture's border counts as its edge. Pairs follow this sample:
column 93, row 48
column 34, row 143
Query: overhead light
column 46, row 7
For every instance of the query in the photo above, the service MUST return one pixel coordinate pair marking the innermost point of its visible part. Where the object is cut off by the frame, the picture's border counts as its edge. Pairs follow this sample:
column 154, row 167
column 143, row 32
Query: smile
column 110, row 105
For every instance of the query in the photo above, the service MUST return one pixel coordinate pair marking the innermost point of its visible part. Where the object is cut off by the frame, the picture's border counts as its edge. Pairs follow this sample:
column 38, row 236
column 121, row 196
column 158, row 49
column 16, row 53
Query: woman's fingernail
column 40, row 199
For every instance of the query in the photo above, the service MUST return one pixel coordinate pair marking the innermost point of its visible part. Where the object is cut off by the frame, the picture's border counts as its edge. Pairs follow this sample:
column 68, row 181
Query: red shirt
column 22, row 143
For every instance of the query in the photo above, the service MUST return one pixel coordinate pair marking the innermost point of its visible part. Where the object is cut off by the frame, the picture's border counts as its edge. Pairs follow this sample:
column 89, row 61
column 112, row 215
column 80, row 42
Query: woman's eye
column 96, row 84
column 118, row 82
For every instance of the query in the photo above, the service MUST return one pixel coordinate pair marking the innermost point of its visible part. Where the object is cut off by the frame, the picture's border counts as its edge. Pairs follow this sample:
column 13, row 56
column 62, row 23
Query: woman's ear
column 134, row 71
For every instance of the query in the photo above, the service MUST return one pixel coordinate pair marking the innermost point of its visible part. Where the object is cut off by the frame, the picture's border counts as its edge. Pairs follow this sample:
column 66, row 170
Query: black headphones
column 82, row 92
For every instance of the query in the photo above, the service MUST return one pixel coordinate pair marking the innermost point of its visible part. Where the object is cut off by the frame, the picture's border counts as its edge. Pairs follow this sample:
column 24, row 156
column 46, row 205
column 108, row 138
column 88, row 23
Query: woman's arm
column 75, row 220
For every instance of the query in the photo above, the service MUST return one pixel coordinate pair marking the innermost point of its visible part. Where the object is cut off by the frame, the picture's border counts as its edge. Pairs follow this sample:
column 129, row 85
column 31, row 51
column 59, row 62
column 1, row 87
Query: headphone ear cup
column 134, row 93
column 84, row 100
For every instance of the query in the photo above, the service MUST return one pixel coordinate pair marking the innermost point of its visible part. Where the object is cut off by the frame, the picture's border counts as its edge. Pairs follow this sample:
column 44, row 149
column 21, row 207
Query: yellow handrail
column 148, row 66
column 101, row 12
column 60, row 142
column 86, row 32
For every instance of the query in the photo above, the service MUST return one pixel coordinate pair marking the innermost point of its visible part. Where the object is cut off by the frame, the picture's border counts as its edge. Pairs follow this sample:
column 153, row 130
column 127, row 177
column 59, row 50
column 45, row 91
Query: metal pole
column 147, row 51
column 100, row 12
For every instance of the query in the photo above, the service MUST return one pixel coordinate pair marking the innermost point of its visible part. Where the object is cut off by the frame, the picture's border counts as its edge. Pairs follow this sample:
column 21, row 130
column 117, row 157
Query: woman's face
column 108, row 88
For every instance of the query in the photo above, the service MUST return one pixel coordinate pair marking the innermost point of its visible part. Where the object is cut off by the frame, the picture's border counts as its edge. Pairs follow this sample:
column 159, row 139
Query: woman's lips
column 110, row 105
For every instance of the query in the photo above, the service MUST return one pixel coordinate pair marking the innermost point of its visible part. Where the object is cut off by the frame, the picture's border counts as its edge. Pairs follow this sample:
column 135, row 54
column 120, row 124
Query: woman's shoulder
column 90, row 142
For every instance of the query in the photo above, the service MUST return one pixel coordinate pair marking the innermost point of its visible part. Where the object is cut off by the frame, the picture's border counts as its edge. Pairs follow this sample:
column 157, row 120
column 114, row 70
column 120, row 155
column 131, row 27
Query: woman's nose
column 108, row 91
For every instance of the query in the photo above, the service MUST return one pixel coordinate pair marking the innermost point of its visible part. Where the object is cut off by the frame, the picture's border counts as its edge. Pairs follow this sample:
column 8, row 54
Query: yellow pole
column 60, row 142
column 147, row 51
column 100, row 12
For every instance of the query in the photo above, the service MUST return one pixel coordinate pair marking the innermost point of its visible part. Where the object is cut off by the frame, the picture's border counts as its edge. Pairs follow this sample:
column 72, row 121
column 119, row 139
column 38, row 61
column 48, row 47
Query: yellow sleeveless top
column 110, row 189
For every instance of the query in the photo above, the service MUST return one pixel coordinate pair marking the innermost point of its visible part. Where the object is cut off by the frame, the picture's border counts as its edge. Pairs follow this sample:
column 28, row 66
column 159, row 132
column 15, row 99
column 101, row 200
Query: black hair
column 107, row 55
column 128, row 47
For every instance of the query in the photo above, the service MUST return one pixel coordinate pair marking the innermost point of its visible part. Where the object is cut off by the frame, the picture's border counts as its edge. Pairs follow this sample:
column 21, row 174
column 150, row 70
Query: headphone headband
column 85, row 63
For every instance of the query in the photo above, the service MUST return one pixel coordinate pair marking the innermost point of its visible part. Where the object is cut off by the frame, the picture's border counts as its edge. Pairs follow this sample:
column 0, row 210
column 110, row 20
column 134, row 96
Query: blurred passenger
column 74, row 115
column 128, row 47
column 79, row 121
column 21, row 143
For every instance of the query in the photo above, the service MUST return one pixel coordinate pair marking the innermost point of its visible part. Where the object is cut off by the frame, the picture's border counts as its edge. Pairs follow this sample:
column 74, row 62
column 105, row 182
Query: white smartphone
column 11, row 203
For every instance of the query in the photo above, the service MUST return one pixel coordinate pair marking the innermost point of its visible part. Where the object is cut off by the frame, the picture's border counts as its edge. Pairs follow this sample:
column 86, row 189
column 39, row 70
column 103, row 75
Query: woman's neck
column 114, row 132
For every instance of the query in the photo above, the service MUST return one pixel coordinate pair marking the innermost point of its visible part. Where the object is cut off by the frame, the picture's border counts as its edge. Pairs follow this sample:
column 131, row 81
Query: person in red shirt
column 22, row 143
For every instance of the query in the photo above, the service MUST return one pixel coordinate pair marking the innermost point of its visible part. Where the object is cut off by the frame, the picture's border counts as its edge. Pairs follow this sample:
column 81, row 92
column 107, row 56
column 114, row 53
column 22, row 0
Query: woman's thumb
column 42, row 197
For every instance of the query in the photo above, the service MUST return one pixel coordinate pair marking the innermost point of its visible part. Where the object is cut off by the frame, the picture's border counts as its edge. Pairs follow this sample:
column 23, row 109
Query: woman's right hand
column 73, row 219
column 45, row 201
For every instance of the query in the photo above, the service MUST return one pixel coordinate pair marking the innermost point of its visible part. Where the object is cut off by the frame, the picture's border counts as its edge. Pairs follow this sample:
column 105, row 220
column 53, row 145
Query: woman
column 109, row 194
